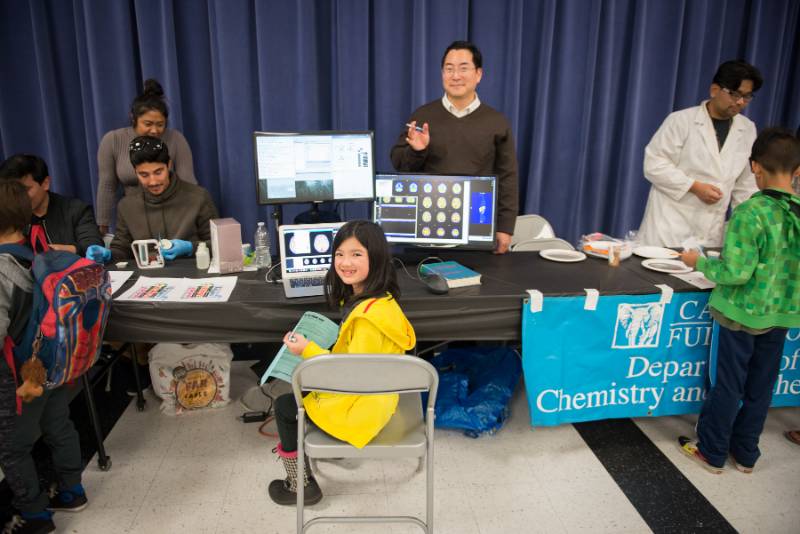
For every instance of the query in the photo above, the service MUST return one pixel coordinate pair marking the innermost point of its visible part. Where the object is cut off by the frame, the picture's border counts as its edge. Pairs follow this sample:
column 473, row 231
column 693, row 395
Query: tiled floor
column 208, row 472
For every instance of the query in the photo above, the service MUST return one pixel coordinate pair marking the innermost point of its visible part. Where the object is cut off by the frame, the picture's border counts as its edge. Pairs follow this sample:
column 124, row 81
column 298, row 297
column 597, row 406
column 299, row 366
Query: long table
column 578, row 365
column 259, row 311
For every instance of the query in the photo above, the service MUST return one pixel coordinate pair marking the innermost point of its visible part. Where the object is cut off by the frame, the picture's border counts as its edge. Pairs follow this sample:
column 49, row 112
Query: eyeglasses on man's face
column 736, row 95
column 462, row 70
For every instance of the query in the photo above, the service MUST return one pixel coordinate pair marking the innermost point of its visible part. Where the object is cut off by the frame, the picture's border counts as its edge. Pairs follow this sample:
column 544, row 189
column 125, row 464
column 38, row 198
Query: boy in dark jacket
column 68, row 223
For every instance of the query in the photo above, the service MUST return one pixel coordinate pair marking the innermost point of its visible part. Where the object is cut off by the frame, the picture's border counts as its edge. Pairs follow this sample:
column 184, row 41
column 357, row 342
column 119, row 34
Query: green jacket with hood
column 758, row 275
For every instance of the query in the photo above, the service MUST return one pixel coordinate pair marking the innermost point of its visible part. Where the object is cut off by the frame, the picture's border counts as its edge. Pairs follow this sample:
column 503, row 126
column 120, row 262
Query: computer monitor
column 306, row 252
column 314, row 166
column 432, row 209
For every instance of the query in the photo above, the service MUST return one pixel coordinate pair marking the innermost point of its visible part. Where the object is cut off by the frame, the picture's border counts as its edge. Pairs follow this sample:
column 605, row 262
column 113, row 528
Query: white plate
column 564, row 256
column 660, row 253
column 666, row 266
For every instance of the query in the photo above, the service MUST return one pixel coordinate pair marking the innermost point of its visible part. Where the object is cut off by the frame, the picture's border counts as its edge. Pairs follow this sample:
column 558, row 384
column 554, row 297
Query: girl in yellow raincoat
column 363, row 282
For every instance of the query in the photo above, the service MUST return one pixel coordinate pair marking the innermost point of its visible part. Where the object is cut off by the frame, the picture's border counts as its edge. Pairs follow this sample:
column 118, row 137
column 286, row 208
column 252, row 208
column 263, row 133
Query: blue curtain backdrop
column 584, row 83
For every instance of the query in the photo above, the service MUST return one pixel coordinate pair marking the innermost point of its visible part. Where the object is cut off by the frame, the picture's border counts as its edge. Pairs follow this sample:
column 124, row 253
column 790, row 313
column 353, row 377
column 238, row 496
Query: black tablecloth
column 259, row 311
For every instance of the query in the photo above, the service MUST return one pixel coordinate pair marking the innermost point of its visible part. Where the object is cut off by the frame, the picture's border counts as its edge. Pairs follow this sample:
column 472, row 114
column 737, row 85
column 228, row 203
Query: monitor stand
column 315, row 216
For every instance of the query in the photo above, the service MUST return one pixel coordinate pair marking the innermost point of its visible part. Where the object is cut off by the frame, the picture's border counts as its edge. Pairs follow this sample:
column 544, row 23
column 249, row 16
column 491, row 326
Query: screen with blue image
column 432, row 209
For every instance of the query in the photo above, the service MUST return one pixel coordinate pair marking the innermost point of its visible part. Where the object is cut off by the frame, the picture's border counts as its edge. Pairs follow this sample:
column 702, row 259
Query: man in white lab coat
column 698, row 163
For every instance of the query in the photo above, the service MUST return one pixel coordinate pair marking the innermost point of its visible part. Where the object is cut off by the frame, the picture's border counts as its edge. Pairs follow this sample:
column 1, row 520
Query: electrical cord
column 269, row 393
column 263, row 432
column 418, row 277
column 273, row 280
column 429, row 259
column 248, row 408
column 399, row 263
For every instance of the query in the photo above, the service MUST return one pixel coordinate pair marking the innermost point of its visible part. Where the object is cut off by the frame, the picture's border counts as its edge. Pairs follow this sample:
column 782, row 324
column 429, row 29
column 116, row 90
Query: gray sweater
column 114, row 167
column 12, row 274
column 182, row 211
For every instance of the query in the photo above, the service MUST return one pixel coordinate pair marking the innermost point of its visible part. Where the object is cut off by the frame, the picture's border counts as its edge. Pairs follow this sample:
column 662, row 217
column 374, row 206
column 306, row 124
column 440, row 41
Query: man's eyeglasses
column 736, row 95
column 462, row 70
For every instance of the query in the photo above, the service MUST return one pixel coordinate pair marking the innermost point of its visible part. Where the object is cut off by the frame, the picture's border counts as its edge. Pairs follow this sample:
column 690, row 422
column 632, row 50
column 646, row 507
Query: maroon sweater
column 479, row 144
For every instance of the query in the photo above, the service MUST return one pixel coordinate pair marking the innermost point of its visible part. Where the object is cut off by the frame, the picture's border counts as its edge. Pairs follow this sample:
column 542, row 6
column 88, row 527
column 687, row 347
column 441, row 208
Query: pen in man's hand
column 417, row 128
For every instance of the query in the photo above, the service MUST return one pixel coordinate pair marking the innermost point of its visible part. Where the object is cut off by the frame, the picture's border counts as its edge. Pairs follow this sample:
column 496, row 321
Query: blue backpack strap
column 19, row 251
column 21, row 350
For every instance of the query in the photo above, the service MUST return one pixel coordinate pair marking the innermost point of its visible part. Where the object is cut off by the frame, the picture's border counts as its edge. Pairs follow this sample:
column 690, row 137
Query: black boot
column 284, row 491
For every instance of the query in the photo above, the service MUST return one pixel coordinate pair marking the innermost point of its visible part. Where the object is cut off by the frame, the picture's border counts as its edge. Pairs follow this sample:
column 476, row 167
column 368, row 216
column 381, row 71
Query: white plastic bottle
column 201, row 256
column 261, row 242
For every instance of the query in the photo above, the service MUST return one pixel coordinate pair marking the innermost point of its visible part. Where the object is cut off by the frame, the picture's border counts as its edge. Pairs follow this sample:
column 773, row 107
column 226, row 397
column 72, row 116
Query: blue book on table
column 456, row 274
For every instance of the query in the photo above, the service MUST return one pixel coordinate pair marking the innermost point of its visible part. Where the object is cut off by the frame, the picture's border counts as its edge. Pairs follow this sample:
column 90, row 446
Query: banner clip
column 592, row 296
column 536, row 299
column 666, row 293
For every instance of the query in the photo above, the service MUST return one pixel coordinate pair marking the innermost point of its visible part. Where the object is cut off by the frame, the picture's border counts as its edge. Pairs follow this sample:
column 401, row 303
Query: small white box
column 226, row 245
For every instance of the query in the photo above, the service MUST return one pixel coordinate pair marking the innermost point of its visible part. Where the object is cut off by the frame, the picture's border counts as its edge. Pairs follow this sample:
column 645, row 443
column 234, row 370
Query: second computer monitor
column 314, row 166
column 432, row 209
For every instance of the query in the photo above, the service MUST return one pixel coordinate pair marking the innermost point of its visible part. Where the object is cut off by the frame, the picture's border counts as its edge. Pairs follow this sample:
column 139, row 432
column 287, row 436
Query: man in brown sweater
column 164, row 208
column 461, row 135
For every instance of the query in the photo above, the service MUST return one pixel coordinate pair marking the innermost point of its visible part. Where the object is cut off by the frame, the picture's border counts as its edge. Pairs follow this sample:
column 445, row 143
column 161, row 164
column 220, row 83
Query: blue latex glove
column 179, row 248
column 98, row 254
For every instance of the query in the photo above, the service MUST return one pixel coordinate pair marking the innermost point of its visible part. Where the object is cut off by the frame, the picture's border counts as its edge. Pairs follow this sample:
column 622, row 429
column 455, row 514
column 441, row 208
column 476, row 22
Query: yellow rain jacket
column 375, row 326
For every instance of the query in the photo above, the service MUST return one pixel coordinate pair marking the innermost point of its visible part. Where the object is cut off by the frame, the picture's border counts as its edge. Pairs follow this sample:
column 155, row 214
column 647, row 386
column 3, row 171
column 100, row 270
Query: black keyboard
column 307, row 281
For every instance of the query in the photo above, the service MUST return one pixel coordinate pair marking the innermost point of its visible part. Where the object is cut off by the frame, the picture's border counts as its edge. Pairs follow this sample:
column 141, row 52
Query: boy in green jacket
column 757, row 298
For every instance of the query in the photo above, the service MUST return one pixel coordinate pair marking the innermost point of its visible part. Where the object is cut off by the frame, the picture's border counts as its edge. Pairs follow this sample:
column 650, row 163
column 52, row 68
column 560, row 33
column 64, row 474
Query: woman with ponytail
column 148, row 116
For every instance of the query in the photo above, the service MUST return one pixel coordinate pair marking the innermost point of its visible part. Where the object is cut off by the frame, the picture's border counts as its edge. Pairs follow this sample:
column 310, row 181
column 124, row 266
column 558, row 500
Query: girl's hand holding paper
column 295, row 342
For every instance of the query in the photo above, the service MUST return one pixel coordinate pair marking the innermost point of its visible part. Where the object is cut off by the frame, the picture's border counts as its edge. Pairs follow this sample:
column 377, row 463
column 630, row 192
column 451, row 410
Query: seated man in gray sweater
column 164, row 208
column 462, row 135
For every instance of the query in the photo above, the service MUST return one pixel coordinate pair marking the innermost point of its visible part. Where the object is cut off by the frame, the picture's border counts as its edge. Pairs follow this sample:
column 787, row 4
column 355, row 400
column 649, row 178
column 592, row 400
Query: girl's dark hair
column 381, row 279
column 151, row 99
column 147, row 149
column 15, row 206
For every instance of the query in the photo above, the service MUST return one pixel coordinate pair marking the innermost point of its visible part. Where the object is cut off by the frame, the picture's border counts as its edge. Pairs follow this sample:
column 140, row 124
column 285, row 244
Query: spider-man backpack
column 71, row 301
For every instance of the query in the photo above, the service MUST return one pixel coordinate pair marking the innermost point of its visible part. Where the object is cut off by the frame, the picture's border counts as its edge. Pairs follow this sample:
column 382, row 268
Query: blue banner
column 632, row 356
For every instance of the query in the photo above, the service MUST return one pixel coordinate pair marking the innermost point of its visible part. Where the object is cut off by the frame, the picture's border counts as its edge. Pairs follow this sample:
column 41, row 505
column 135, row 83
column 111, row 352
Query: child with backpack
column 46, row 415
column 363, row 283
column 755, row 301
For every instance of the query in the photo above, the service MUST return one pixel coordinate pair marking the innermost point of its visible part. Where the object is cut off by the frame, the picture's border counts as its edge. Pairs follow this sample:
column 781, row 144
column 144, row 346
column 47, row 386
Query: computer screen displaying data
column 314, row 167
column 428, row 209
column 307, row 248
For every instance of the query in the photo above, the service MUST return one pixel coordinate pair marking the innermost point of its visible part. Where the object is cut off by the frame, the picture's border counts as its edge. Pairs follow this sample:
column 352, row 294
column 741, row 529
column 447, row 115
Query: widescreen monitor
column 314, row 166
column 431, row 209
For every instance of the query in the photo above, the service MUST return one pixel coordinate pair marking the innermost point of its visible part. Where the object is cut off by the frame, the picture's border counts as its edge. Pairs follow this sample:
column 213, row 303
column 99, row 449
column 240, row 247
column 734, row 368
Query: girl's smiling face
column 351, row 262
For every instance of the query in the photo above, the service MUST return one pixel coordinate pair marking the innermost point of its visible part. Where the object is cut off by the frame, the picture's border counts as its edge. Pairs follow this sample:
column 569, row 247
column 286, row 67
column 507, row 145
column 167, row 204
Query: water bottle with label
column 261, row 242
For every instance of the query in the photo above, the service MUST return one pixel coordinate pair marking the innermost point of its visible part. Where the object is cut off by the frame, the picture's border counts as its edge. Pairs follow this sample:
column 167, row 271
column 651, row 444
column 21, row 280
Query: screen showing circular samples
column 435, row 209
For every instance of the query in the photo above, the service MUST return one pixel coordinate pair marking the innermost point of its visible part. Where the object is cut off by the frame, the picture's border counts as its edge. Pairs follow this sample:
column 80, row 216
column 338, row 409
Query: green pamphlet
column 314, row 327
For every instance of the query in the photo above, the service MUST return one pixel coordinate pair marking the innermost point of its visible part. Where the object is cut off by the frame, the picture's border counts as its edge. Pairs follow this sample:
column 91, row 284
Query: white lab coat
column 685, row 149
